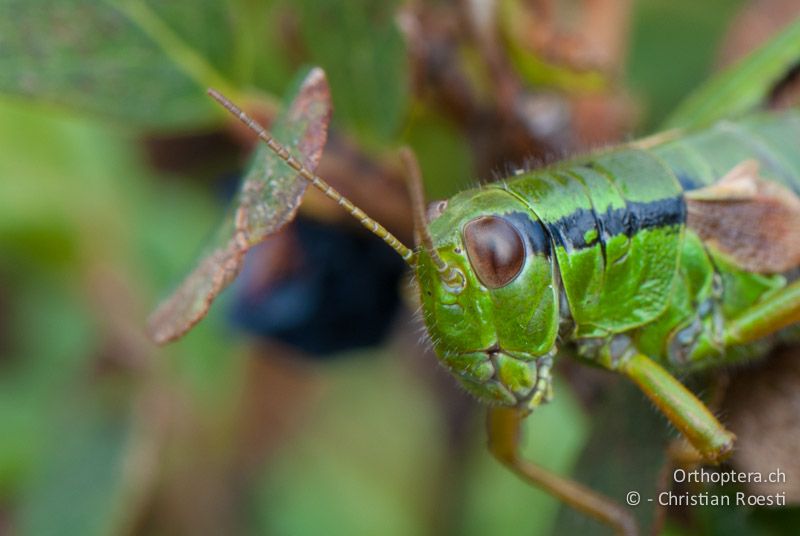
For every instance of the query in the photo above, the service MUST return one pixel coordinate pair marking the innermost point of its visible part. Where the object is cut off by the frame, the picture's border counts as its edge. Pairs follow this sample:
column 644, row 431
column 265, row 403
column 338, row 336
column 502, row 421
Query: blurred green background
column 112, row 160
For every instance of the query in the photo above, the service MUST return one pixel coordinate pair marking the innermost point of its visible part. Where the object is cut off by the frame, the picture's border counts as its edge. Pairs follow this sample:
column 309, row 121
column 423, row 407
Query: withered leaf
column 268, row 199
column 761, row 408
column 756, row 222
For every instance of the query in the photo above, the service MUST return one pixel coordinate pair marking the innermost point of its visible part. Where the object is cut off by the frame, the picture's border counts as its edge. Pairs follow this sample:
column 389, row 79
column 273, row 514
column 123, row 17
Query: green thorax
column 615, row 220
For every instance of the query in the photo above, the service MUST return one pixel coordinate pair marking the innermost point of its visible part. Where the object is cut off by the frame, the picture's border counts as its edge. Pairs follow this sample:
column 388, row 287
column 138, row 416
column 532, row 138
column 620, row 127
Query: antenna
column 372, row 225
column 450, row 275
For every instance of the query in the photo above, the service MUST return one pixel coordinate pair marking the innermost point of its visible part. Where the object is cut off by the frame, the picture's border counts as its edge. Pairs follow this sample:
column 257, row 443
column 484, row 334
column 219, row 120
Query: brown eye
column 495, row 250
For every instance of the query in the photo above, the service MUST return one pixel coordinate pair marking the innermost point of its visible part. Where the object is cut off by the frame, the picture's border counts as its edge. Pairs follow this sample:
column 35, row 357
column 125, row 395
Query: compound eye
column 495, row 250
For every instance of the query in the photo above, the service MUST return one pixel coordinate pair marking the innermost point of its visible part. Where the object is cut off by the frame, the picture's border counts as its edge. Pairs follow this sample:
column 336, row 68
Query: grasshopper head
column 492, row 314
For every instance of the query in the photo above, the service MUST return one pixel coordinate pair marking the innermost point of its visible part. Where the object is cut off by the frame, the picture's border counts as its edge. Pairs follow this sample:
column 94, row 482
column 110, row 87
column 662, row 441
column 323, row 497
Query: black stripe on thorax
column 570, row 231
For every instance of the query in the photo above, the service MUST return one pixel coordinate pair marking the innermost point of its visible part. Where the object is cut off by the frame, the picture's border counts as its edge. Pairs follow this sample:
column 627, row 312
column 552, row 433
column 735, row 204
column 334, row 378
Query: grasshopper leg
column 504, row 427
column 765, row 317
column 683, row 409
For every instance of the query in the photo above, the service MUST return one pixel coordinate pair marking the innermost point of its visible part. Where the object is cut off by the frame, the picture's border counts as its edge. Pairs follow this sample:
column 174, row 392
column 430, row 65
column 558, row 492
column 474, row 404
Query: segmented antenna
column 372, row 225
column 450, row 275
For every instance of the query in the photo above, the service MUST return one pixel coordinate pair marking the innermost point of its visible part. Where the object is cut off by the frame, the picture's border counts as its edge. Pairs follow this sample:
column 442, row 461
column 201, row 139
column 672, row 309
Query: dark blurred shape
column 786, row 92
column 191, row 154
column 320, row 287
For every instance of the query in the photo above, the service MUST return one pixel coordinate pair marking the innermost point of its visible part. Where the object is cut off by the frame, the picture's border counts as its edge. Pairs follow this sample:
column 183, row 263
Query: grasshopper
column 671, row 254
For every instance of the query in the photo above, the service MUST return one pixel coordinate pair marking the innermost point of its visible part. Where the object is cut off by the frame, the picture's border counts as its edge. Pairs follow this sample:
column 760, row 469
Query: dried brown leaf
column 269, row 197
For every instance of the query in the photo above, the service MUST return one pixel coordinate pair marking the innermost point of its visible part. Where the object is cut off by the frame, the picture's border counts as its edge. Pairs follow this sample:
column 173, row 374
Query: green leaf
column 269, row 197
column 261, row 57
column 671, row 51
column 743, row 86
column 366, row 462
column 41, row 368
column 360, row 47
column 147, row 67
column 79, row 488
column 57, row 169
column 208, row 27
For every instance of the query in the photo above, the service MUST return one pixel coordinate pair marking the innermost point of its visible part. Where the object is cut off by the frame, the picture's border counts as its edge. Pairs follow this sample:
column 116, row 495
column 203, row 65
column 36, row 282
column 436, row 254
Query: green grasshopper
column 666, row 255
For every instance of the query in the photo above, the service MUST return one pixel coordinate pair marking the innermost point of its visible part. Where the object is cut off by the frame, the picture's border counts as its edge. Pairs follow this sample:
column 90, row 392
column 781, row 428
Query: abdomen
column 713, row 289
